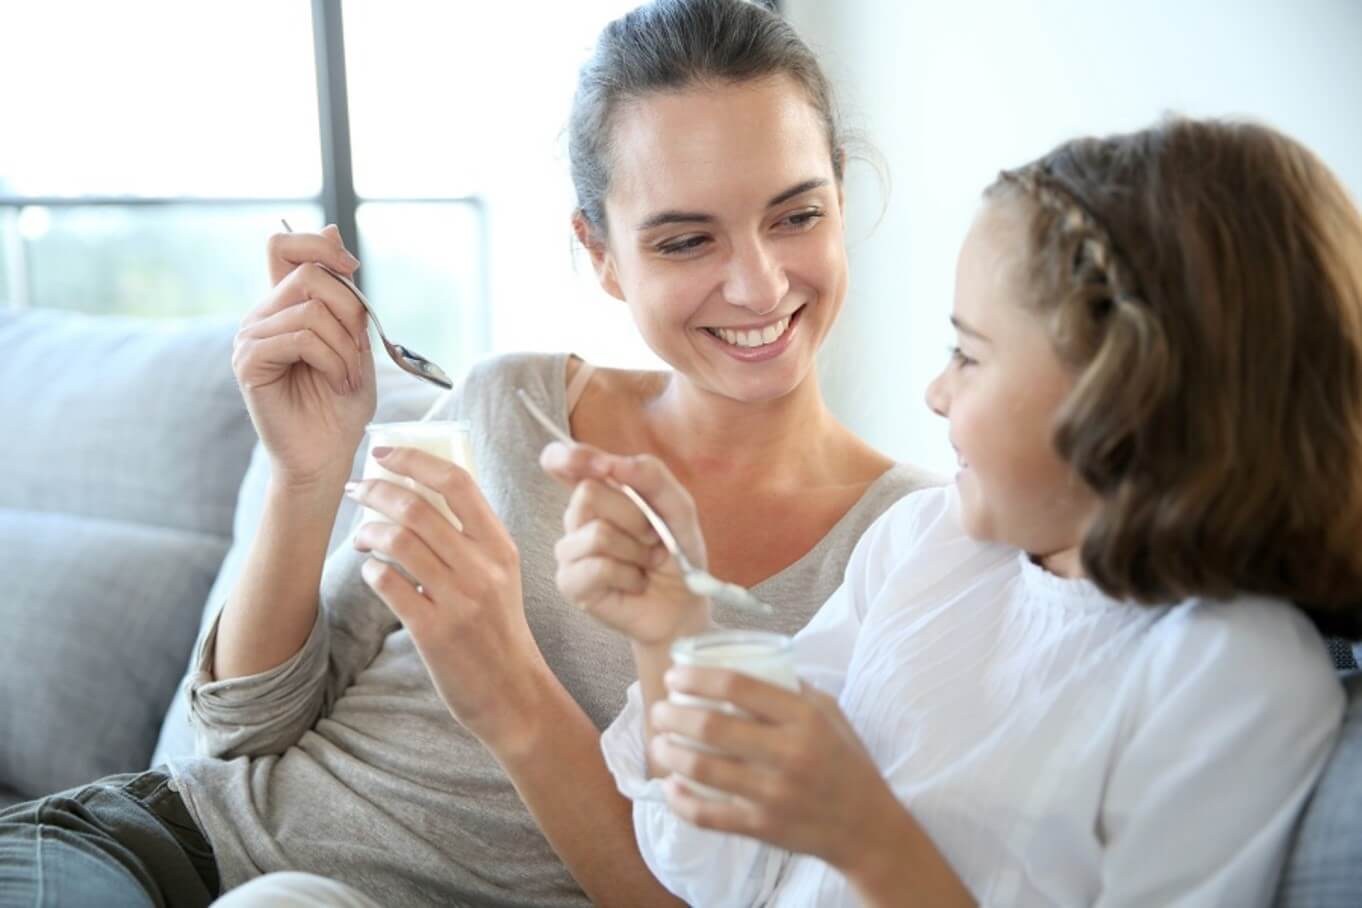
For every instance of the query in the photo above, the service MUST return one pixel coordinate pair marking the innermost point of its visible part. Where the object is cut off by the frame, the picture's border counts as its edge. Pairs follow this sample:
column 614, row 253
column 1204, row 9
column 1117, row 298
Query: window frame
column 337, row 197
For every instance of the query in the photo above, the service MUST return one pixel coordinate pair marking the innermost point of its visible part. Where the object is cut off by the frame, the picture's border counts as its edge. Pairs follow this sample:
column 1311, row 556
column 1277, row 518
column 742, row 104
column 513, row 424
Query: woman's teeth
column 752, row 337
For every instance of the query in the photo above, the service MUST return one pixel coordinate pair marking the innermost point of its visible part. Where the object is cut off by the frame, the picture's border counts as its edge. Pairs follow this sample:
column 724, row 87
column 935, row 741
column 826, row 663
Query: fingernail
column 381, row 452
column 600, row 464
column 659, row 556
column 351, row 260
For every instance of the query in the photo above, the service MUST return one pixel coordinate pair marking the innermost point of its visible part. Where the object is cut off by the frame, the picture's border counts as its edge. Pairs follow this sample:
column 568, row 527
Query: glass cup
column 447, row 439
column 760, row 654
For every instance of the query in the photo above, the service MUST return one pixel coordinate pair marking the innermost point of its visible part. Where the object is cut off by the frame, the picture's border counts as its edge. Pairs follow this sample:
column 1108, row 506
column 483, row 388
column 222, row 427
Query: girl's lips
column 764, row 352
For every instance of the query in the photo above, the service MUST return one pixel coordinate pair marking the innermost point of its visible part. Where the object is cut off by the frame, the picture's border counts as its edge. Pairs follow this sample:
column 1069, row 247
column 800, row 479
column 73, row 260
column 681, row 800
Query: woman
column 708, row 165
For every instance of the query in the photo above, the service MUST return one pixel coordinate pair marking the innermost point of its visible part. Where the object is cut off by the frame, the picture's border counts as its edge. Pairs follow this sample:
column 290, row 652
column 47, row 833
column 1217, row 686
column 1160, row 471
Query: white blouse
column 1059, row 747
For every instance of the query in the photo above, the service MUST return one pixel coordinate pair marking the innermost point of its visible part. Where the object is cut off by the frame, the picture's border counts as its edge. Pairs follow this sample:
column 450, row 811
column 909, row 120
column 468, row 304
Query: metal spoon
column 407, row 360
column 698, row 581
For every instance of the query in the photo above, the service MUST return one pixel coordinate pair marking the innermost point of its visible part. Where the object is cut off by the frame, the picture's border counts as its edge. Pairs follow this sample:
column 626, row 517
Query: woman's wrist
column 526, row 718
column 318, row 492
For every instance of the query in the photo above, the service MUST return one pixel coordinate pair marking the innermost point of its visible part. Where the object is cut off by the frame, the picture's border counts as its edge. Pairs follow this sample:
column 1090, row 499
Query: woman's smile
column 757, row 342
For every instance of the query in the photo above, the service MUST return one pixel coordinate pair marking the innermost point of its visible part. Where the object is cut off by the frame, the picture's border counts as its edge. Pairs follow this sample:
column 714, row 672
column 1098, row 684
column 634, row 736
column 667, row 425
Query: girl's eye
column 683, row 245
column 958, row 357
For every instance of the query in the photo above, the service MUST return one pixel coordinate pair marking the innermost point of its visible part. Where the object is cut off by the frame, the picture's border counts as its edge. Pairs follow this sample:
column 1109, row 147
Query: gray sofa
column 129, row 467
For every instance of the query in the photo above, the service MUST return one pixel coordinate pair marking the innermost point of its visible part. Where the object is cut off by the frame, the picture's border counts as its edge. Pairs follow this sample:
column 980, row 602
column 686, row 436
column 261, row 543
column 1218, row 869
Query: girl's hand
column 461, row 601
column 610, row 562
column 303, row 360
column 800, row 777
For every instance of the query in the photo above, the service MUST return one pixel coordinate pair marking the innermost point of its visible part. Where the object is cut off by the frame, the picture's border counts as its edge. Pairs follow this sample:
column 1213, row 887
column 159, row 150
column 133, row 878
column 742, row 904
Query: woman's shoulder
column 534, row 372
column 491, row 382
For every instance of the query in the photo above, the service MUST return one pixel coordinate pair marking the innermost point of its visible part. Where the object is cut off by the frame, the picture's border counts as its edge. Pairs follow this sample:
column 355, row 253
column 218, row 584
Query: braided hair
column 1203, row 281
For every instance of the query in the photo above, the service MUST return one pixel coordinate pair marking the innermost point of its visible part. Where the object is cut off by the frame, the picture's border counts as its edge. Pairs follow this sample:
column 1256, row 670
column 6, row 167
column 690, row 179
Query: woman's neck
column 787, row 437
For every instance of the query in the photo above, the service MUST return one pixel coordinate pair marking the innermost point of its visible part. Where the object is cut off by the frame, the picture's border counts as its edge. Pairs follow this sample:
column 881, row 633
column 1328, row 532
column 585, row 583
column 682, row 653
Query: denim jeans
column 124, row 840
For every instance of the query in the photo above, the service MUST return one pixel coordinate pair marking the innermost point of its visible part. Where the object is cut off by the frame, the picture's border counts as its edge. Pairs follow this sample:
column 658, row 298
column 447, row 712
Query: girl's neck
column 1067, row 563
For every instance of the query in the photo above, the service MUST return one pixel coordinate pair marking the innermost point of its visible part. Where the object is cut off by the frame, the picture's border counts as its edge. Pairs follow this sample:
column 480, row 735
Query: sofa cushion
column 98, row 615
column 126, row 441
column 1324, row 867
column 122, row 419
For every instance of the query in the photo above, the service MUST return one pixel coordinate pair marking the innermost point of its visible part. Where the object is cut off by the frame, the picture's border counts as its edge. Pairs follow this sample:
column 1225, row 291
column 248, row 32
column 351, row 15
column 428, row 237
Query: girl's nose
column 756, row 280
column 938, row 401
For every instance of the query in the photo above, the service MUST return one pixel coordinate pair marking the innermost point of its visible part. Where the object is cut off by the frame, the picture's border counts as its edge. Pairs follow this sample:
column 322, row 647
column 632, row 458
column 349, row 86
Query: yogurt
column 759, row 654
column 446, row 439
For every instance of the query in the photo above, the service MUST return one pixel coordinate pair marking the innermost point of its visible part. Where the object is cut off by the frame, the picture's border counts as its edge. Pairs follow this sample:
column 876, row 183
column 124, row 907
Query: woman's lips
column 765, row 351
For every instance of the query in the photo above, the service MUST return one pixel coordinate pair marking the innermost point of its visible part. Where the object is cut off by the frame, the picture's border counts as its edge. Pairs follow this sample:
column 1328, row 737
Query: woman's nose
column 756, row 279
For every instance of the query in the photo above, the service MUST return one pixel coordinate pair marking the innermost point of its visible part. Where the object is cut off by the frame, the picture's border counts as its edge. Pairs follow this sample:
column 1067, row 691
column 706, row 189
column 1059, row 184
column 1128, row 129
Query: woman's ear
column 601, row 260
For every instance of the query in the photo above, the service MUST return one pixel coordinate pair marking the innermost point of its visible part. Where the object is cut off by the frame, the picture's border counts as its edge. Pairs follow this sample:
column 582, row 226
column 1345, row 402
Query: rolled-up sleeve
column 268, row 712
column 257, row 714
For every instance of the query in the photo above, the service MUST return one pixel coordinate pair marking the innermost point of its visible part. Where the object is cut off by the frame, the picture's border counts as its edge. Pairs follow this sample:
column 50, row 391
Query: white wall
column 952, row 92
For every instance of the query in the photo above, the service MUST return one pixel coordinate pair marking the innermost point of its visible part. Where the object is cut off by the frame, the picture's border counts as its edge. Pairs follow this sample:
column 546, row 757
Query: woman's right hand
column 303, row 360
column 610, row 562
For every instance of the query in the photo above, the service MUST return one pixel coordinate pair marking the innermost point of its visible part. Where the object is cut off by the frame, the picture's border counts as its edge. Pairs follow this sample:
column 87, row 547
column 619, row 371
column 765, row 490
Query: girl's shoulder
column 1248, row 642
column 922, row 533
column 927, row 511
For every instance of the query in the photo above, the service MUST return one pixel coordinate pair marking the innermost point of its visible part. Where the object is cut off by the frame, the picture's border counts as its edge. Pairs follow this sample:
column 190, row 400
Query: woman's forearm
column 558, row 769
column 271, row 611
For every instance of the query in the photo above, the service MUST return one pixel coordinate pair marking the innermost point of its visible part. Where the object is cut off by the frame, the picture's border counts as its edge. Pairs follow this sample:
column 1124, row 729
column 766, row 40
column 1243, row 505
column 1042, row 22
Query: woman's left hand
column 802, row 780
column 462, row 605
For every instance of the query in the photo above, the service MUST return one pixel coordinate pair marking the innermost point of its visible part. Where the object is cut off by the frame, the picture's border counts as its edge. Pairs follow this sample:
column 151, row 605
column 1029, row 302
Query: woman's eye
column 682, row 246
column 803, row 218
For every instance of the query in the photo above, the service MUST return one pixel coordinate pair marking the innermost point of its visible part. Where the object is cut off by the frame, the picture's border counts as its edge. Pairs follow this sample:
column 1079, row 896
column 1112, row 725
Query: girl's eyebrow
column 673, row 216
column 966, row 329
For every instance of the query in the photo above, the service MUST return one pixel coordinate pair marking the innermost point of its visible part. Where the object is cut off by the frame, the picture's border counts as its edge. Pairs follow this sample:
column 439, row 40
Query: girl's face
column 725, row 233
column 1001, row 392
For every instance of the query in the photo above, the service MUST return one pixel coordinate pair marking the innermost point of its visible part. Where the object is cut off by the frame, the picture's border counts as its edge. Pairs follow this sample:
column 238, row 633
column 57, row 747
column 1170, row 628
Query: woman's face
column 725, row 233
column 1001, row 393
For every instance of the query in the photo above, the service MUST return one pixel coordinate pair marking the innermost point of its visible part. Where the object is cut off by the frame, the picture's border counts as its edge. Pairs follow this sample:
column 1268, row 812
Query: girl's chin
column 974, row 516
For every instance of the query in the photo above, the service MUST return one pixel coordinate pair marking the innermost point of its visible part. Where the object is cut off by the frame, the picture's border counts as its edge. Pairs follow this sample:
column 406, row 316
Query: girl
column 1075, row 676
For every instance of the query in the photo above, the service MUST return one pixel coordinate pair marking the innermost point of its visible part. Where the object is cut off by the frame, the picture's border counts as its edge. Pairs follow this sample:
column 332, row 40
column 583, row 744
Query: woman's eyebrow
column 674, row 216
column 797, row 189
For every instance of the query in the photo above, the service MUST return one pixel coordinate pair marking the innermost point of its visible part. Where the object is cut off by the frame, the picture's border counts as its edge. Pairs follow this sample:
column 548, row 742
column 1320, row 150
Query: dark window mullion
column 338, row 179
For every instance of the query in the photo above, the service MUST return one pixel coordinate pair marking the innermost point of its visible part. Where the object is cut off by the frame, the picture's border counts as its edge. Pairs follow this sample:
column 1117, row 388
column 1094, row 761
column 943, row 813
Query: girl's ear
column 601, row 260
column 841, row 154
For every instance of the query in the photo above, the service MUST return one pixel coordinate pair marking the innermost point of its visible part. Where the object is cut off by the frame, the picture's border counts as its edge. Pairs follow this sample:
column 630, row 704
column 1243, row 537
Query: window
column 156, row 144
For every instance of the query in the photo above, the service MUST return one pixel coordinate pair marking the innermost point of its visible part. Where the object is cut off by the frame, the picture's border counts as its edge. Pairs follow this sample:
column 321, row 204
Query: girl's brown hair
column 1203, row 279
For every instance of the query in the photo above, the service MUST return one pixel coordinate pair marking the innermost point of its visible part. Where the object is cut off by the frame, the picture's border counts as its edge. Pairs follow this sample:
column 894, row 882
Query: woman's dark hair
column 671, row 45
column 1203, row 280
